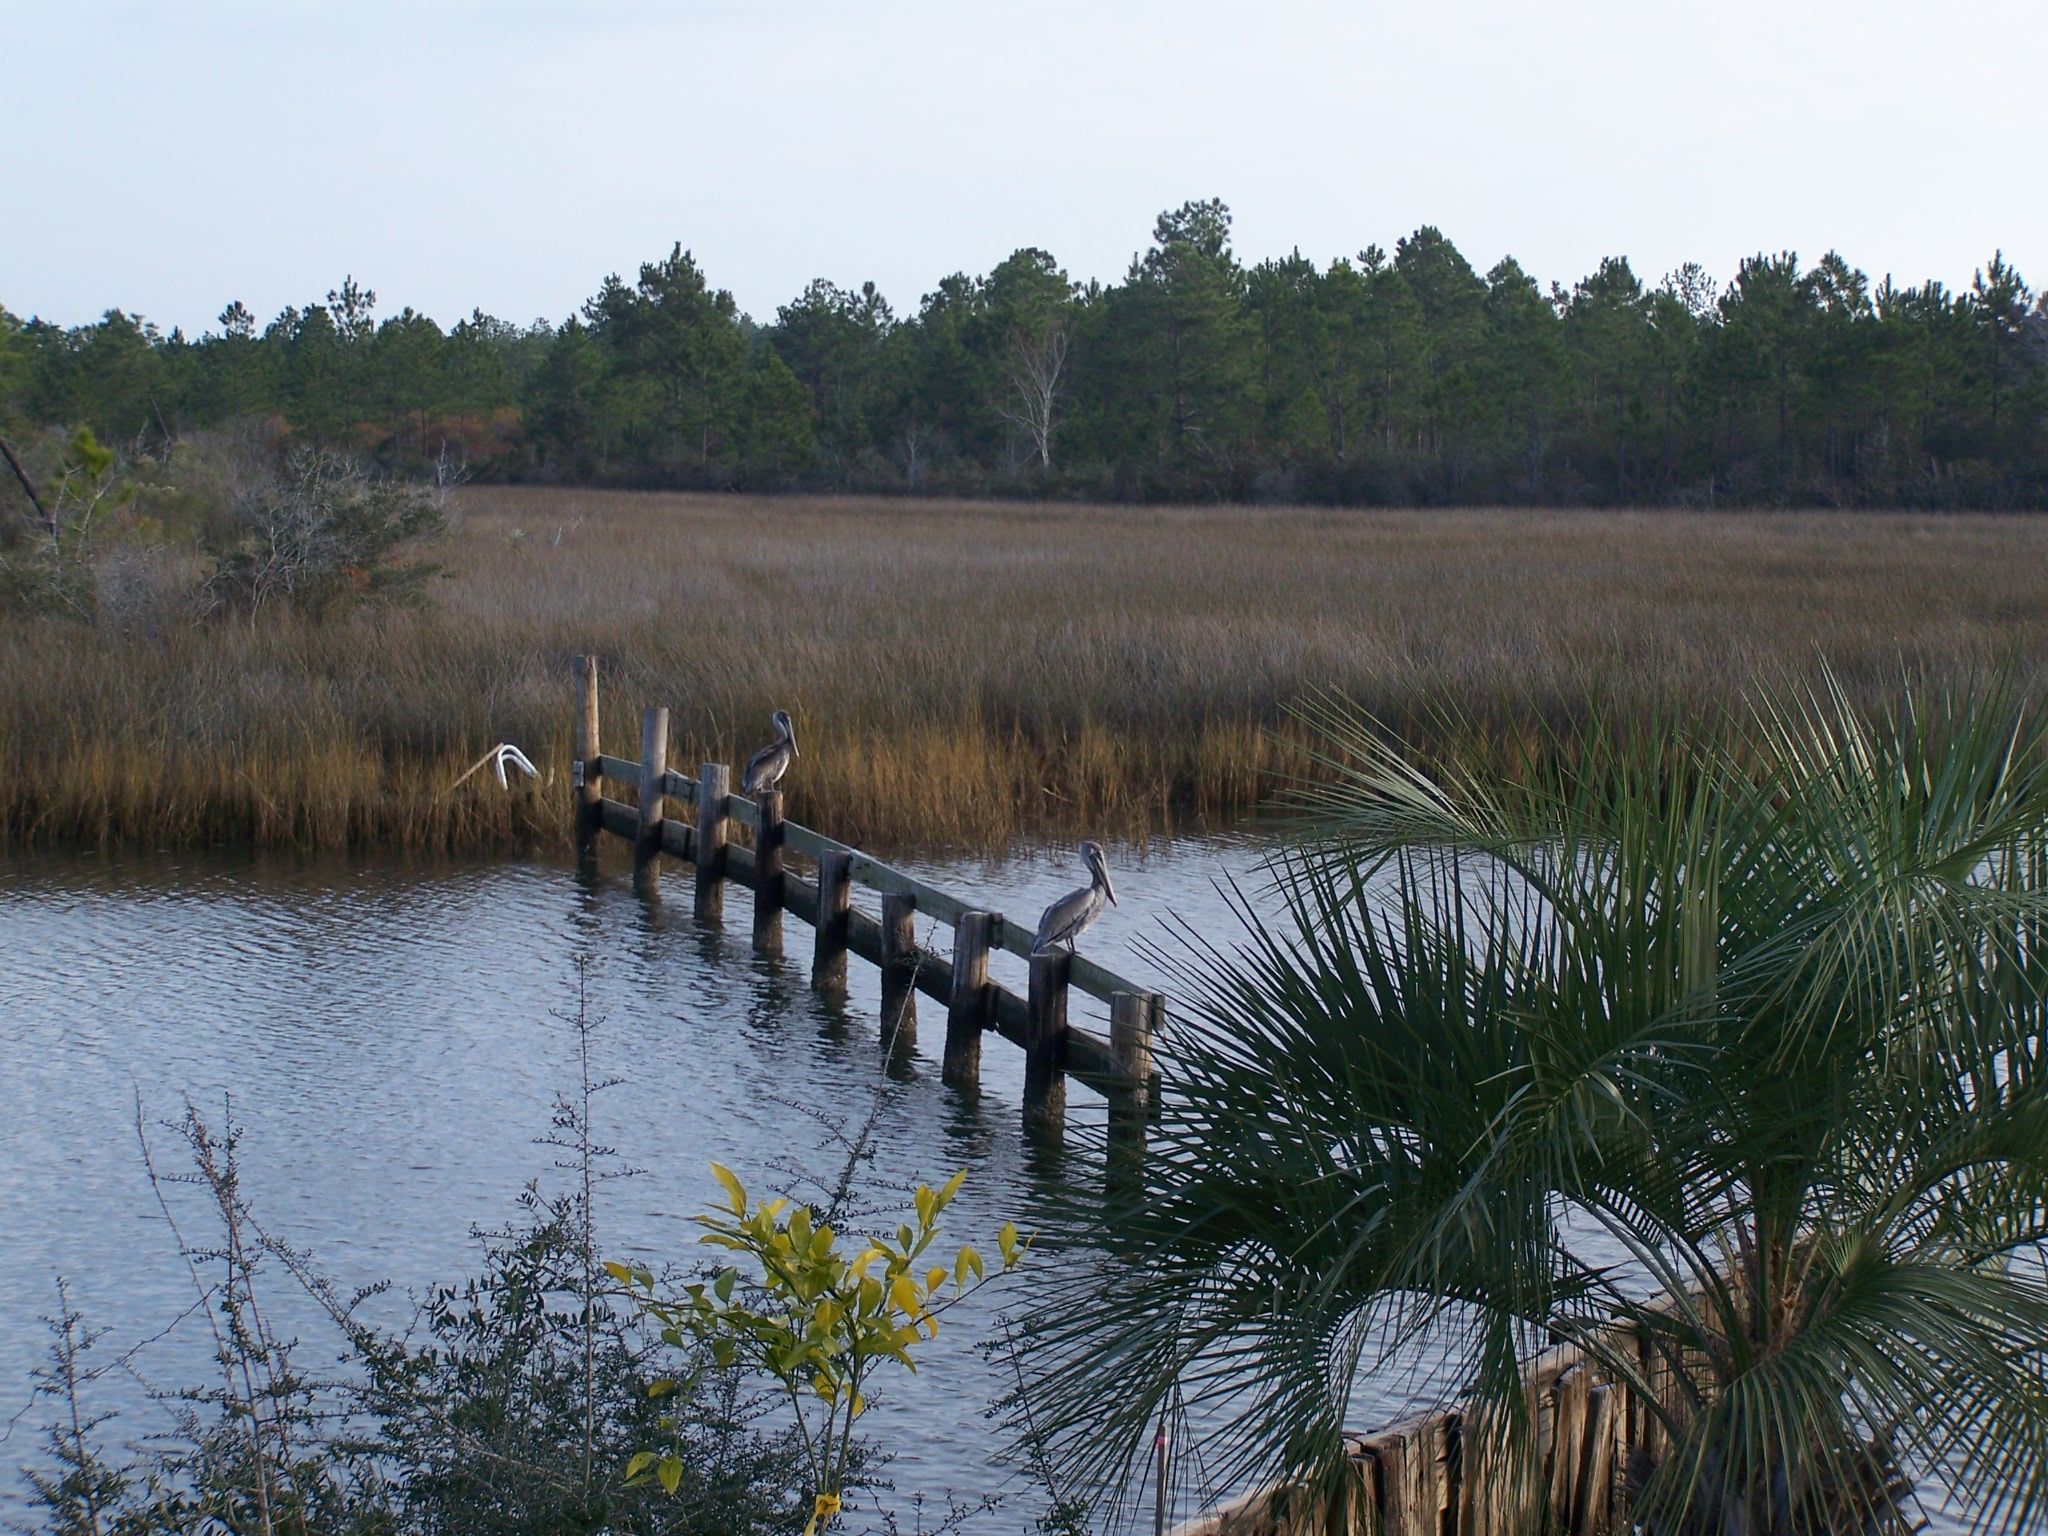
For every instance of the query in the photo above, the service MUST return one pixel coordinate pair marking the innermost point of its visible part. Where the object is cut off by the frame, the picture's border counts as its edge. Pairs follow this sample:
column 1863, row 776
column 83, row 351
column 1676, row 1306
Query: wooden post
column 1132, row 1017
column 1592, row 1510
column 1159, row 1481
column 1045, row 1078
column 835, row 901
column 653, row 764
column 1451, row 1476
column 899, row 973
column 768, row 837
column 967, row 1010
column 714, row 783
column 589, row 777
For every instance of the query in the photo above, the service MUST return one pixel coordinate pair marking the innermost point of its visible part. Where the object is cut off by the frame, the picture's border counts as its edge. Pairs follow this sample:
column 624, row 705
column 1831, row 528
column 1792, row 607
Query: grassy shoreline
column 965, row 674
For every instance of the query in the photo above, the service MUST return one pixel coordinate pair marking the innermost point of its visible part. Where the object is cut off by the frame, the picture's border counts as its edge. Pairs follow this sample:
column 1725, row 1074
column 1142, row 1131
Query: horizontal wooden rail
column 1119, row 1068
column 619, row 768
column 1088, row 1056
column 1098, row 981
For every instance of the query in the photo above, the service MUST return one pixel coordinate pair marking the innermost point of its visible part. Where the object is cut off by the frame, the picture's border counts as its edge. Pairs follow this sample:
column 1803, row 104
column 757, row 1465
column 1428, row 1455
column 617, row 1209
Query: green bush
column 317, row 533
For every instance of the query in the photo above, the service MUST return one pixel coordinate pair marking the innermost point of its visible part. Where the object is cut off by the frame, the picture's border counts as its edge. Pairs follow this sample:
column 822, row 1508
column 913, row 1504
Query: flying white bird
column 504, row 752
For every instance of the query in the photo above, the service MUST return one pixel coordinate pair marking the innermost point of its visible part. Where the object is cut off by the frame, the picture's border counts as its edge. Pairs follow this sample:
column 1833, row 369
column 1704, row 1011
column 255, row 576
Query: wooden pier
column 698, row 834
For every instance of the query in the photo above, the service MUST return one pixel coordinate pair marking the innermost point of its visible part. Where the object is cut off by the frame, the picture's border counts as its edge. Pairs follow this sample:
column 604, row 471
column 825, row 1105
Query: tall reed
column 962, row 674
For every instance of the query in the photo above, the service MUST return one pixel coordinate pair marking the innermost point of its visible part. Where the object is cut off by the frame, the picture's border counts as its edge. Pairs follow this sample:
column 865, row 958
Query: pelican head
column 780, row 720
column 1098, row 869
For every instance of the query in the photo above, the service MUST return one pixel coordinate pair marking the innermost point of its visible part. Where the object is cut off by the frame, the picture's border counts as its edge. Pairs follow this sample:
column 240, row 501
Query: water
column 392, row 1041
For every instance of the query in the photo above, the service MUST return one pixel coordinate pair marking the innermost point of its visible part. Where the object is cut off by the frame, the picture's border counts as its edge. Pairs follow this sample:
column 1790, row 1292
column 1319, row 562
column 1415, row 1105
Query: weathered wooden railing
column 1120, row 1067
column 1423, row 1478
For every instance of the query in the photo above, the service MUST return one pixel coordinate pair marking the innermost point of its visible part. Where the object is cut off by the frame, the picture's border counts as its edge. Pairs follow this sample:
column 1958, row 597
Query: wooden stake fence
column 1119, row 1068
column 1426, row 1476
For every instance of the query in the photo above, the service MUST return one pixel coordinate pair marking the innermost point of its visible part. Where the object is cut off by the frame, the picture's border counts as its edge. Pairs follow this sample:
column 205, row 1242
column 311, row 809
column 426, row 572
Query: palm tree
column 1720, row 1048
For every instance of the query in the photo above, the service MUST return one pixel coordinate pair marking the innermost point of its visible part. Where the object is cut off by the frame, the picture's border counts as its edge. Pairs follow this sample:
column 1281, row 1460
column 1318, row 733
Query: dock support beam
column 589, row 773
column 1133, row 1019
column 899, row 973
column 835, row 902
column 768, row 885
column 1045, row 1077
column 653, row 765
column 967, row 1010
column 714, row 783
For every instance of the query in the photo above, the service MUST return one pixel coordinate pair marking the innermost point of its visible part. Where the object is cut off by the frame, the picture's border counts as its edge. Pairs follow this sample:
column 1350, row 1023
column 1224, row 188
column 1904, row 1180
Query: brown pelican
column 767, row 766
column 1066, row 918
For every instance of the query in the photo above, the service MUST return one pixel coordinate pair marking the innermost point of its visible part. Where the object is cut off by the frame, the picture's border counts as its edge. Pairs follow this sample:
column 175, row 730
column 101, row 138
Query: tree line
column 1402, row 377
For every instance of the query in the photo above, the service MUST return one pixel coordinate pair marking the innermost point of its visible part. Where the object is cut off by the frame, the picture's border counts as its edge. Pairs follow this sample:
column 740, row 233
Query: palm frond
column 1720, row 1048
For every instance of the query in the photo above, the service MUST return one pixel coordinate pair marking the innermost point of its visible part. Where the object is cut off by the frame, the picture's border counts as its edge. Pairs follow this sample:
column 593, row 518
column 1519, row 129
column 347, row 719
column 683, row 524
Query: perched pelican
column 767, row 766
column 1066, row 918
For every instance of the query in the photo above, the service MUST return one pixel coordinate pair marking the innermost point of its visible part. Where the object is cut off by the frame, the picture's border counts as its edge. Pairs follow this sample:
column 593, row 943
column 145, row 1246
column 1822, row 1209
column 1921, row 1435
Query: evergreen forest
column 1405, row 377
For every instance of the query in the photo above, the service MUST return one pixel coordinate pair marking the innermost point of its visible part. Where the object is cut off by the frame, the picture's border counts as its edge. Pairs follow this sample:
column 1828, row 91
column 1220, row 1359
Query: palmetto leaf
column 1719, row 1047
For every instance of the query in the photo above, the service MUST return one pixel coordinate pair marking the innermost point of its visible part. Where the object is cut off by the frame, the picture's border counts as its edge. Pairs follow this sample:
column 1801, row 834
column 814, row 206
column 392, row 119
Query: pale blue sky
column 170, row 157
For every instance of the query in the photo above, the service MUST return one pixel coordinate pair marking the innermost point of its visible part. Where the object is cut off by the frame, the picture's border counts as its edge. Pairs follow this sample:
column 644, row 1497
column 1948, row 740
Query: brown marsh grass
column 963, row 674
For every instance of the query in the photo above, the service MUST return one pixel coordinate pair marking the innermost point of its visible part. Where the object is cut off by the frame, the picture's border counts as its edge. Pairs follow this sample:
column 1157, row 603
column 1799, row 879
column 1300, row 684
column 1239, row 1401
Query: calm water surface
column 391, row 1039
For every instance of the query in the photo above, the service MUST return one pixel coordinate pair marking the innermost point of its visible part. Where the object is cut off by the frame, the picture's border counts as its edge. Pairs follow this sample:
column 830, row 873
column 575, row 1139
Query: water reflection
column 391, row 1035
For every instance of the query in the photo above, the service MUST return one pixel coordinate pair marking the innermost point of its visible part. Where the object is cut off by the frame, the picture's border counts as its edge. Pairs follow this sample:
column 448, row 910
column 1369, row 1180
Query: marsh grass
column 963, row 674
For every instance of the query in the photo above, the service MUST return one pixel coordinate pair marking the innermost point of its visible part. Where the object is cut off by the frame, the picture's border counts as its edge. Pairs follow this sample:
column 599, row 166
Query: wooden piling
column 589, row 772
column 899, row 972
column 1045, row 1078
column 1132, row 1018
column 768, row 880
column 653, row 765
column 967, row 1011
column 835, row 904
column 714, row 783
column 1593, row 1499
column 975, row 1002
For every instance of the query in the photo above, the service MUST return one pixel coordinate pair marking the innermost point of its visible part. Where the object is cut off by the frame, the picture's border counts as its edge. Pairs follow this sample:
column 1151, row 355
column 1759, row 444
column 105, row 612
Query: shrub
column 46, row 556
column 318, row 532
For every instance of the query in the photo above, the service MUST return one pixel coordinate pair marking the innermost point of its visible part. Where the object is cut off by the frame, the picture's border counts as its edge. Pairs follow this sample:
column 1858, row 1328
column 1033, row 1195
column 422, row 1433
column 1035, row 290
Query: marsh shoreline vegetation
column 963, row 674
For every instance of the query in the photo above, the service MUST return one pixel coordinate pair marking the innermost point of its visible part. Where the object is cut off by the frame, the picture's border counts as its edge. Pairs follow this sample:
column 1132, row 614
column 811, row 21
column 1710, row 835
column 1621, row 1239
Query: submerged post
column 1133, row 1016
column 589, row 774
column 1045, row 1078
column 768, row 837
column 714, row 783
column 653, row 765
column 835, row 901
column 967, row 1009
column 899, row 972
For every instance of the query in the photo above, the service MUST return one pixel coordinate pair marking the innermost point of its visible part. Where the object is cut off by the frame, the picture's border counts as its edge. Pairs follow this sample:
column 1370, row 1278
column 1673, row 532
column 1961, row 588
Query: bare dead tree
column 1034, row 367
column 916, row 441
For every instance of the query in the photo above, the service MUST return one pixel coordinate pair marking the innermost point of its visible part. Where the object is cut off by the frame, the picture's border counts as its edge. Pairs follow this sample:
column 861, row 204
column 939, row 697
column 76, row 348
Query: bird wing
column 750, row 780
column 1060, row 917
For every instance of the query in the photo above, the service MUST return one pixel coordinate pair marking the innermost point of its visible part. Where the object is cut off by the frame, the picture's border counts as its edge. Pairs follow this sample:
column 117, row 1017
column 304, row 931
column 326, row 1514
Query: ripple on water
column 391, row 1038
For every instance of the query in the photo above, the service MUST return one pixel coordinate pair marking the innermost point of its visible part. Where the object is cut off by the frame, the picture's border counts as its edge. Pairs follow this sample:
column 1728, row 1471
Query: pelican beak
column 1095, row 862
column 792, row 743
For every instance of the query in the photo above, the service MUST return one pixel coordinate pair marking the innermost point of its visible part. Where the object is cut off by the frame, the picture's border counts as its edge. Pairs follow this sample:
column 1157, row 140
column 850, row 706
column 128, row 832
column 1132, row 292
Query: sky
column 452, row 154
